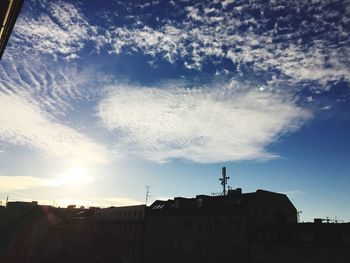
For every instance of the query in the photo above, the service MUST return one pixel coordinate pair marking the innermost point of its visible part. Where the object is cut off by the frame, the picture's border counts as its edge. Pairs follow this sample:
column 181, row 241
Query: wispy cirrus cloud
column 58, row 87
column 302, row 41
column 37, row 98
column 24, row 123
column 255, row 37
column 58, row 29
column 202, row 124
column 258, row 36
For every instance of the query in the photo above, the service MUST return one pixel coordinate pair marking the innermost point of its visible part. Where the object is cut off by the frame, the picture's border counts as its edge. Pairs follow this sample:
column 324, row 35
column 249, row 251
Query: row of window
column 114, row 215
column 118, row 254
column 302, row 236
column 197, row 224
column 121, row 231
column 195, row 246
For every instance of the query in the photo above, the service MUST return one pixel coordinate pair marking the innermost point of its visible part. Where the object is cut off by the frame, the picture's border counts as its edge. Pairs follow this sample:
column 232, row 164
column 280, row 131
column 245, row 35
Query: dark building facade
column 200, row 229
column 120, row 234
column 2, row 209
column 211, row 228
column 23, row 230
column 303, row 242
column 26, row 229
column 258, row 227
column 114, row 234
column 71, row 241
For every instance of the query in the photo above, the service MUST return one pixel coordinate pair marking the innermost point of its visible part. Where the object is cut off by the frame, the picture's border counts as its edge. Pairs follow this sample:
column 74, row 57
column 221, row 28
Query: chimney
column 235, row 192
column 318, row 220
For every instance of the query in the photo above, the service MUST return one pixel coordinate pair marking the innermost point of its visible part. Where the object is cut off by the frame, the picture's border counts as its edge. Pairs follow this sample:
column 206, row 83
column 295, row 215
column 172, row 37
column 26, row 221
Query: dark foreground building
column 71, row 241
column 212, row 228
column 258, row 227
column 23, row 230
column 200, row 229
column 120, row 234
column 114, row 234
column 305, row 242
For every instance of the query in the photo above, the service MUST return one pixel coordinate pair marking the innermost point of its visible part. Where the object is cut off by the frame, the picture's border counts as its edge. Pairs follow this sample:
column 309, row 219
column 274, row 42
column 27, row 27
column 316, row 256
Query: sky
column 99, row 100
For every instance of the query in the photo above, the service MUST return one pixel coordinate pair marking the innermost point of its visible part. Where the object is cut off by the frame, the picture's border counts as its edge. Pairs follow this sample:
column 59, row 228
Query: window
column 213, row 248
column 198, row 246
column 187, row 223
column 199, row 202
column 270, row 235
column 163, row 223
column 346, row 238
column 305, row 237
column 280, row 216
column 216, row 223
column 238, row 224
column 199, row 224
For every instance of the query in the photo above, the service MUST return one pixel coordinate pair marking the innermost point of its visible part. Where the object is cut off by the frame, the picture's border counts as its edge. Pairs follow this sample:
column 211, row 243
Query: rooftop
column 235, row 201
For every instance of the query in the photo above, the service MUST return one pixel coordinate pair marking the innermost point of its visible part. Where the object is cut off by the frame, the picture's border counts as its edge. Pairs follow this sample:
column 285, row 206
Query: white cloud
column 22, row 122
column 209, row 31
column 112, row 201
column 15, row 183
column 165, row 41
column 226, row 3
column 63, row 30
column 203, row 125
column 102, row 202
column 57, row 87
column 24, row 182
column 202, row 36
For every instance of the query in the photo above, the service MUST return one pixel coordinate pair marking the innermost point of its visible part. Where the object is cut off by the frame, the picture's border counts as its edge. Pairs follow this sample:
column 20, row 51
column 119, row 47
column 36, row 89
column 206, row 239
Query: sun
column 76, row 175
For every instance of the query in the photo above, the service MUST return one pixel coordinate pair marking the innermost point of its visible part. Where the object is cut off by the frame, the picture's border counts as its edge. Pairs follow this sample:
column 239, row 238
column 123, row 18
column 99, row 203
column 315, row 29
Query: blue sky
column 99, row 100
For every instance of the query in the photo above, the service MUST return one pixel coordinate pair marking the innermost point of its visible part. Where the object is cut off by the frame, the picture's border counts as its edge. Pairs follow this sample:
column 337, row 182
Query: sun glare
column 77, row 175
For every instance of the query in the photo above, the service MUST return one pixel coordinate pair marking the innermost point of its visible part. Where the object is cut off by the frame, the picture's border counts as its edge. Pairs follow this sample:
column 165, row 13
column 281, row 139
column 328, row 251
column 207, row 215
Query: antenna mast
column 224, row 180
column 298, row 215
column 147, row 193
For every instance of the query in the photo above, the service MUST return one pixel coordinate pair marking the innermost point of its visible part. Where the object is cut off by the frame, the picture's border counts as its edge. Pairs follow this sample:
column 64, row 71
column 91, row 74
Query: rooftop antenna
column 298, row 215
column 224, row 180
column 147, row 193
column 7, row 200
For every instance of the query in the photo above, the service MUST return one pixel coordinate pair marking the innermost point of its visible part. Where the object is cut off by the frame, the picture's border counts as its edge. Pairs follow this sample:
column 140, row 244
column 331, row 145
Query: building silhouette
column 201, row 229
column 212, row 228
column 258, row 227
column 303, row 242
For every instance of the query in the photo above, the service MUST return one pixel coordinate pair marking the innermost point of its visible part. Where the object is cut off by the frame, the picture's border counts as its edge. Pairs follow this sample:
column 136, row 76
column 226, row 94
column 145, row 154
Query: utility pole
column 147, row 193
column 223, row 180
